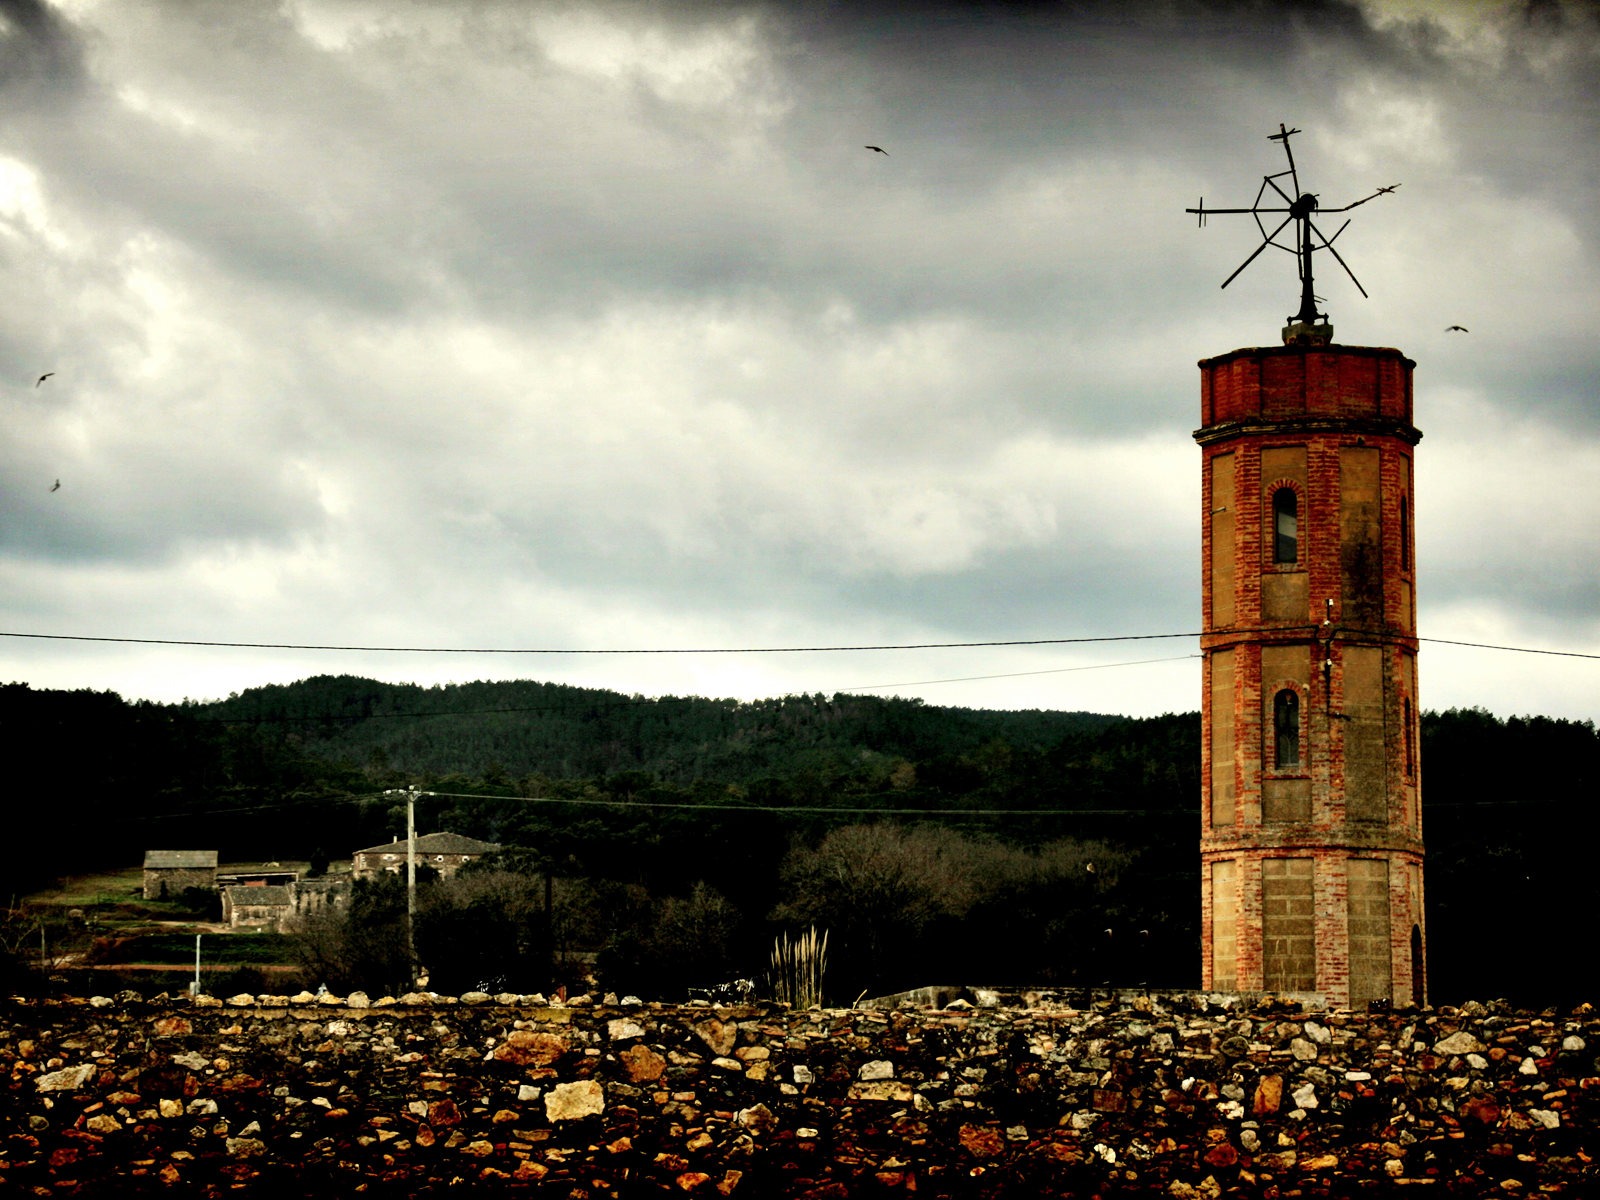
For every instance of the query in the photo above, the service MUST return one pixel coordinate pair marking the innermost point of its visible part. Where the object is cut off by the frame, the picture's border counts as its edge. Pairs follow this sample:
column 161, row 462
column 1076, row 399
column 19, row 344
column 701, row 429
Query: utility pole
column 411, row 882
column 194, row 988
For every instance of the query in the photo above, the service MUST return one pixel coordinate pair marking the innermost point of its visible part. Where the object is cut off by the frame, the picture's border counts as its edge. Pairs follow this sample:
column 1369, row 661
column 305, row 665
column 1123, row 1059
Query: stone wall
column 1177, row 1096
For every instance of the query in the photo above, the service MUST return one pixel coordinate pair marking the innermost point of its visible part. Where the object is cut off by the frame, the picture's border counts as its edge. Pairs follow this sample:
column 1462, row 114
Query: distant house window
column 1286, row 726
column 1285, row 526
column 390, row 857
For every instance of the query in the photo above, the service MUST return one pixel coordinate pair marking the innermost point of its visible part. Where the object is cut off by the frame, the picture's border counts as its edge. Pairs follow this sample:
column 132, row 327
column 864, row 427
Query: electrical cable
column 868, row 687
column 1064, row 641
column 81, row 637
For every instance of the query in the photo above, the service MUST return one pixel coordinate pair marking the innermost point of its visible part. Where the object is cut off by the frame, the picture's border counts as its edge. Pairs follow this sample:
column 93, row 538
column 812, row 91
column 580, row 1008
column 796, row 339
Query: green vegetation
column 664, row 844
column 167, row 946
column 101, row 889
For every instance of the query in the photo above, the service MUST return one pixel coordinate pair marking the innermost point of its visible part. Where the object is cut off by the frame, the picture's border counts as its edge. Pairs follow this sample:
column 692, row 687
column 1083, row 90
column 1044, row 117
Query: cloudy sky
column 581, row 327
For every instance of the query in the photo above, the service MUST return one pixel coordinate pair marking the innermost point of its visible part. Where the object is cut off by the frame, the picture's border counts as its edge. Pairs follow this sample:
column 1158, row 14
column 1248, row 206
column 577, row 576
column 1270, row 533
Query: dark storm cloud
column 41, row 63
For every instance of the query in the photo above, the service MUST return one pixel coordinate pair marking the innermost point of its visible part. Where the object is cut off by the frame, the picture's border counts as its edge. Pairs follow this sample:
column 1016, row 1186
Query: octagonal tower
column 1311, row 843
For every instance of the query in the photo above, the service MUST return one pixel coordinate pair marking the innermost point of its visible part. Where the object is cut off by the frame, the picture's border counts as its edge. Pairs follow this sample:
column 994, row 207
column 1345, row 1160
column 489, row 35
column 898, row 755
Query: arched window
column 1286, row 727
column 1407, row 732
column 1285, row 526
column 1405, row 535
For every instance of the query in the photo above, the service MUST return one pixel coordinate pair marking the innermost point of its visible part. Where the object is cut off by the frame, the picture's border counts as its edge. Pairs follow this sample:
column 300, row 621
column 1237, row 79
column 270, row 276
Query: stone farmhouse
column 273, row 907
column 445, row 853
column 167, row 873
column 271, row 898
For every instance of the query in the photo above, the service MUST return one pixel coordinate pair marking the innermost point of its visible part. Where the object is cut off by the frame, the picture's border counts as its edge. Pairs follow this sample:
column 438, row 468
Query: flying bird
column 878, row 149
column 1456, row 329
column 1388, row 191
column 56, row 486
column 43, row 377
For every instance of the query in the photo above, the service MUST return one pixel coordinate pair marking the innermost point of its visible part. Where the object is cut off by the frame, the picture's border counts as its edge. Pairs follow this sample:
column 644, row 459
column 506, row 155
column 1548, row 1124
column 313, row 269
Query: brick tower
column 1311, row 842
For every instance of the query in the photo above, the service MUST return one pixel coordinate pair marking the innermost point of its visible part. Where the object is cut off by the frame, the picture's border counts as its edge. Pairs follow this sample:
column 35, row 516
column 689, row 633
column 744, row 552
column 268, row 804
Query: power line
column 1512, row 649
column 867, row 687
column 80, row 637
column 824, row 808
column 790, row 809
column 824, row 649
column 798, row 809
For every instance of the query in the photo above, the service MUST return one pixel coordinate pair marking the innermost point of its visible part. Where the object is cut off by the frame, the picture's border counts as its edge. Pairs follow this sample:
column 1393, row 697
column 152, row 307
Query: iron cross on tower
column 1308, row 324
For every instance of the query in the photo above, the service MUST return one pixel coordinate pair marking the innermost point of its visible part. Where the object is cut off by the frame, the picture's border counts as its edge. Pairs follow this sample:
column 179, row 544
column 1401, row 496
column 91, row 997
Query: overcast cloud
column 593, row 326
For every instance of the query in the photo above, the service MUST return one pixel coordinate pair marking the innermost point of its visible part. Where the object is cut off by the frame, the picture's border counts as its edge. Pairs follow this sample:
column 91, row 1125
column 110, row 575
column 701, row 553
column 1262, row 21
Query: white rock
column 570, row 1101
column 878, row 1068
column 67, row 1080
column 1460, row 1042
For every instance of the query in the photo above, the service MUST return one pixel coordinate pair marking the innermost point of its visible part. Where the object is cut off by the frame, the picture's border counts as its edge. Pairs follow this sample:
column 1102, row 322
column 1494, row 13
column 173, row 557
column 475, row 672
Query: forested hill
column 524, row 728
column 735, row 803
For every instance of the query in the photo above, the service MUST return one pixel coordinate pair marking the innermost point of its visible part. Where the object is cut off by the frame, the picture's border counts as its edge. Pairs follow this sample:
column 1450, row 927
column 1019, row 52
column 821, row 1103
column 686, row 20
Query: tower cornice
column 1299, row 351
column 1355, row 426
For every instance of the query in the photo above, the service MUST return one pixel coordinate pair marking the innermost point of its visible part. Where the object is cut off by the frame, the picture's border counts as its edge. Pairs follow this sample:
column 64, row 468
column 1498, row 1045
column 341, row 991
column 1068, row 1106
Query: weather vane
column 1308, row 326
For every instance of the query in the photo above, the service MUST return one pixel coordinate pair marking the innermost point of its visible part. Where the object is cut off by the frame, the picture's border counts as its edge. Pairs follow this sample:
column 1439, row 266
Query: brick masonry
column 1180, row 1096
column 1325, row 828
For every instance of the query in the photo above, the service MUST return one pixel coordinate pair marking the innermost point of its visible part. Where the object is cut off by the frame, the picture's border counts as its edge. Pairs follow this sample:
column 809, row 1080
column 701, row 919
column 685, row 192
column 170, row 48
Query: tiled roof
column 437, row 843
column 190, row 859
column 273, row 895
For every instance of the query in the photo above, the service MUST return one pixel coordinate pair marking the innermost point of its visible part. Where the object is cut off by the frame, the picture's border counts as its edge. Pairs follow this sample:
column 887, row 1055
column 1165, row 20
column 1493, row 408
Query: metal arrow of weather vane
column 1299, row 206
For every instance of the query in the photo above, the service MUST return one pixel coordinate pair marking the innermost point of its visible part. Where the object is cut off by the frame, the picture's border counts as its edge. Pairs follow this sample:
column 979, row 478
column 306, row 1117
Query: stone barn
column 273, row 907
column 168, row 873
column 257, row 906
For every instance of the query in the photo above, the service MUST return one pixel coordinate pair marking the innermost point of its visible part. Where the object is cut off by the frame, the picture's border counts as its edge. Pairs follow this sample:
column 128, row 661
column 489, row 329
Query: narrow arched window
column 1286, row 727
column 1285, row 526
column 1405, row 535
column 1406, row 734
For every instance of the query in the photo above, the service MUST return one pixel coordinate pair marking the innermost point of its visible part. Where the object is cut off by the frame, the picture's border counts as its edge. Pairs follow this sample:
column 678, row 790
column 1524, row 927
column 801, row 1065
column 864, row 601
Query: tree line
column 662, row 843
